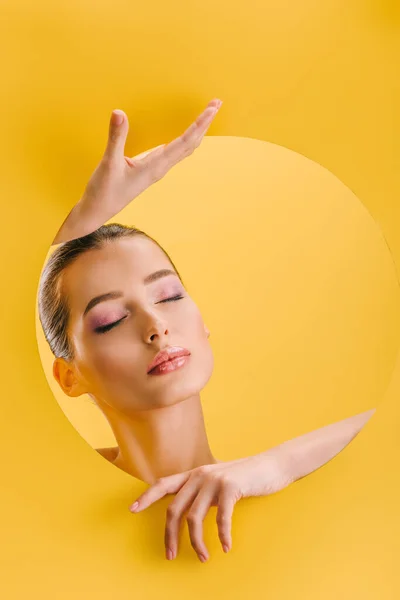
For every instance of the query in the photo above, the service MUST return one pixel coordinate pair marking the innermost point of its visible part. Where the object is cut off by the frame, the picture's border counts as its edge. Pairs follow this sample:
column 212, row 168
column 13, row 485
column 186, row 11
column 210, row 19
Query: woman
column 124, row 329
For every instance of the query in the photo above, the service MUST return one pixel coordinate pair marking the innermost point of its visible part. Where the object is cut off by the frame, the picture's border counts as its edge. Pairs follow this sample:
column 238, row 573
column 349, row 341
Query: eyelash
column 112, row 325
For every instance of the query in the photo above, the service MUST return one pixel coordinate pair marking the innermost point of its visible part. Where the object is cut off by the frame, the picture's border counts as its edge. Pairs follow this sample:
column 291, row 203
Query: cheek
column 200, row 343
column 110, row 362
column 197, row 327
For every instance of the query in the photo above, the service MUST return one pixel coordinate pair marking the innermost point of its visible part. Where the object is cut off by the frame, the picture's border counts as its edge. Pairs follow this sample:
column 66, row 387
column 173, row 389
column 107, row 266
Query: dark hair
column 53, row 306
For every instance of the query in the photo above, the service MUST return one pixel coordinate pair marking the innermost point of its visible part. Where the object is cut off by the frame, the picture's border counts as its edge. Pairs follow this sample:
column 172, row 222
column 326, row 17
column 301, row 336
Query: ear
column 67, row 377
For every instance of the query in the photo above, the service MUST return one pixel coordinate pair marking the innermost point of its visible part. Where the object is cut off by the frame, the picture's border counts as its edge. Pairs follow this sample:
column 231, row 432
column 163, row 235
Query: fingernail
column 225, row 548
column 170, row 554
column 202, row 558
column 118, row 116
column 134, row 507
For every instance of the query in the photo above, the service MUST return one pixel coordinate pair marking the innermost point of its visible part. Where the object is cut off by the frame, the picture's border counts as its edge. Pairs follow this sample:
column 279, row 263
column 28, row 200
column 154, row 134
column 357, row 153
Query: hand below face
column 222, row 484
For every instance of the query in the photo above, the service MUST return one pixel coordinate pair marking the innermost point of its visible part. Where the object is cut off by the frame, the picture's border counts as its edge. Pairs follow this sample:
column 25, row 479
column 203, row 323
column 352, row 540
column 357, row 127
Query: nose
column 155, row 328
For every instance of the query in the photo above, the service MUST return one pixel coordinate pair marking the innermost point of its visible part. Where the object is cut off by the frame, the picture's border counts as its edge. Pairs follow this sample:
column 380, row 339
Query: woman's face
column 115, row 337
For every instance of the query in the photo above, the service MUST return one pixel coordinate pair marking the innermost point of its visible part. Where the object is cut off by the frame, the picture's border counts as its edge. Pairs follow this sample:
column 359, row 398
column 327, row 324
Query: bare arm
column 304, row 454
column 224, row 483
column 77, row 224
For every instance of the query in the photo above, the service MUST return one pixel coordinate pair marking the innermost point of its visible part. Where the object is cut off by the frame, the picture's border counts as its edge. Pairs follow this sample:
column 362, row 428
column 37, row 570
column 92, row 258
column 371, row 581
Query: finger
column 195, row 518
column 117, row 134
column 199, row 127
column 203, row 121
column 214, row 105
column 191, row 138
column 162, row 487
column 175, row 513
column 184, row 144
column 226, row 503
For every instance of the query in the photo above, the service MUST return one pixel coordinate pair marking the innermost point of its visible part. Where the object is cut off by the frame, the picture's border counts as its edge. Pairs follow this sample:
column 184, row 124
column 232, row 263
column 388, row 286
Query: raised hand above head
column 118, row 179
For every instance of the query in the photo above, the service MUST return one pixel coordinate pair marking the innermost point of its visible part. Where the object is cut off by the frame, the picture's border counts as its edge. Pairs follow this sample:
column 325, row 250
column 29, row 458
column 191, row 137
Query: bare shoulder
column 108, row 453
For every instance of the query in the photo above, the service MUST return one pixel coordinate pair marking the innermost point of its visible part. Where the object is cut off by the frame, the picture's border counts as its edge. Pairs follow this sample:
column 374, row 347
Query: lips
column 166, row 354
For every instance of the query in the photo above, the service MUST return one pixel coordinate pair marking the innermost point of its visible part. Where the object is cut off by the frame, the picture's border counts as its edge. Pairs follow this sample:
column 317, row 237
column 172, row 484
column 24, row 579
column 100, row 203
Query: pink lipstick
column 168, row 359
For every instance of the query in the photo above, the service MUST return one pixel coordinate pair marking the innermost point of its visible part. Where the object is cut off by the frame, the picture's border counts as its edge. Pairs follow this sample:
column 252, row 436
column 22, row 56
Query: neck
column 161, row 442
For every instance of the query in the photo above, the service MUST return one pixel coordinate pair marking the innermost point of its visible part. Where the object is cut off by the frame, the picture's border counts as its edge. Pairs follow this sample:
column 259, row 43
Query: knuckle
column 203, row 469
column 214, row 478
column 192, row 518
column 222, row 520
column 196, row 546
column 172, row 512
column 107, row 163
column 161, row 483
column 113, row 135
column 188, row 146
column 226, row 481
column 227, row 484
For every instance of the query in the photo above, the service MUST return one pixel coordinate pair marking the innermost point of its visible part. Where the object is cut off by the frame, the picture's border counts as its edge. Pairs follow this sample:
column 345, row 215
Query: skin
column 158, row 422
column 145, row 412
column 225, row 483
column 118, row 179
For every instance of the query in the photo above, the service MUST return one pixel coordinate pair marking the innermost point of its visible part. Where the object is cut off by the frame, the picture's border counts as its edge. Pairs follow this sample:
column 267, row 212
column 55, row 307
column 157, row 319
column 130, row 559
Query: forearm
column 304, row 454
column 78, row 223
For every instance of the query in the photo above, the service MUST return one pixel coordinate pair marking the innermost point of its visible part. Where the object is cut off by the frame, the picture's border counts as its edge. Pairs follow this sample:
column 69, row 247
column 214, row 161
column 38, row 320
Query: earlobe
column 64, row 373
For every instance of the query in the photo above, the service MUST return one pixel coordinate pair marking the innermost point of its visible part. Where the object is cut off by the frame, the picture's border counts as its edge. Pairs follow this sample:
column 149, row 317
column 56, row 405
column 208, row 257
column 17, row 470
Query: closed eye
column 106, row 328
column 170, row 299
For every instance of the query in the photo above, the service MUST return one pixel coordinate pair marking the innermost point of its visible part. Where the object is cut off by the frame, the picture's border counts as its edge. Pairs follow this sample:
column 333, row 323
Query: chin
column 181, row 389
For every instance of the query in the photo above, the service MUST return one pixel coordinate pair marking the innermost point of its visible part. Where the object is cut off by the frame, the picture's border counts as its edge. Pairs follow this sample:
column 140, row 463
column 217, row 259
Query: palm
column 119, row 178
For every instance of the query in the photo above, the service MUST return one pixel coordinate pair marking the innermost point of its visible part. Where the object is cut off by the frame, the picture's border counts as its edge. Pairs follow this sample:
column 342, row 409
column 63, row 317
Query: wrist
column 285, row 465
column 78, row 223
column 275, row 470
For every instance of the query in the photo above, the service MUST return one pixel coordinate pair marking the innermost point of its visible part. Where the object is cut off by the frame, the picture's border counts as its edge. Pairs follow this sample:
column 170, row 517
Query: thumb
column 117, row 133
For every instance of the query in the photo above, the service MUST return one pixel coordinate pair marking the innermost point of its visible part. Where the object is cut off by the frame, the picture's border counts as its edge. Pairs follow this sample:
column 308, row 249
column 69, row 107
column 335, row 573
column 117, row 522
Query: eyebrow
column 117, row 294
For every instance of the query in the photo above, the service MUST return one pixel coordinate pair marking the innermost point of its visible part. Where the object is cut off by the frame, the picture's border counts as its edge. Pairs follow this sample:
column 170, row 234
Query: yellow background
column 318, row 78
column 294, row 280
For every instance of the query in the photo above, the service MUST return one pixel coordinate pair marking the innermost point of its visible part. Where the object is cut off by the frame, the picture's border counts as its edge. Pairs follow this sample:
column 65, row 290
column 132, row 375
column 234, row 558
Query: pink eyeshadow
column 102, row 320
